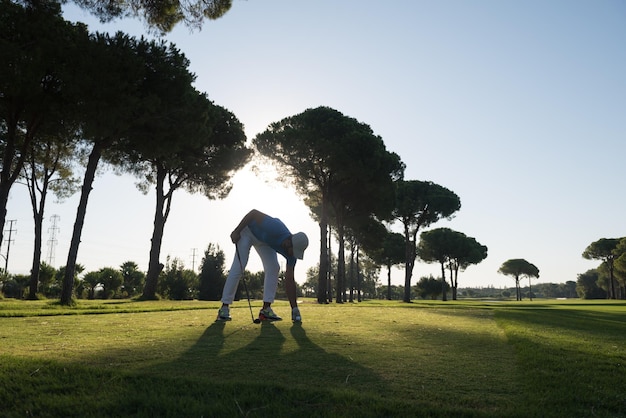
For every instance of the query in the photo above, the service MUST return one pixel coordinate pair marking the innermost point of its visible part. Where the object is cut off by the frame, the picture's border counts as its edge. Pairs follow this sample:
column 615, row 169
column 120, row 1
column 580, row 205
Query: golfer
column 269, row 237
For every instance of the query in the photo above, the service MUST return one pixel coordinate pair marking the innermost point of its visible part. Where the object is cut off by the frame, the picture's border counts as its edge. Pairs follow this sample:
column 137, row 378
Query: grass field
column 373, row 359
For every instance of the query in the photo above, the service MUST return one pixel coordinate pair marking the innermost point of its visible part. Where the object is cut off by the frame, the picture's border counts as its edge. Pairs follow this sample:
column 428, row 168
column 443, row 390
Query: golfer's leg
column 236, row 269
column 271, row 267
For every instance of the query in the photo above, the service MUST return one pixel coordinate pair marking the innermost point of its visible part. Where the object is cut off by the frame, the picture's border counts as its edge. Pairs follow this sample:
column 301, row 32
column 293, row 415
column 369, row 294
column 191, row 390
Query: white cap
column 299, row 241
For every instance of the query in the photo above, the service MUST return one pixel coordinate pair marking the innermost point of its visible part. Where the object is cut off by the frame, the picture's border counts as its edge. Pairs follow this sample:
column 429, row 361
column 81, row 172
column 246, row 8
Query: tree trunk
column 4, row 200
column 340, row 281
column 612, row 279
column 36, row 266
column 352, row 271
column 358, row 275
column 34, row 271
column 389, row 281
column 6, row 180
column 11, row 167
column 38, row 211
column 408, row 271
column 154, row 266
column 67, row 289
column 329, row 270
column 444, row 296
column 329, row 260
column 322, row 279
column 455, row 282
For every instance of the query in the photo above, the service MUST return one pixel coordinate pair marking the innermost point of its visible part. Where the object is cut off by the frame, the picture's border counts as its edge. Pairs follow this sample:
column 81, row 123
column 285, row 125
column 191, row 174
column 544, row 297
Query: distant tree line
column 127, row 281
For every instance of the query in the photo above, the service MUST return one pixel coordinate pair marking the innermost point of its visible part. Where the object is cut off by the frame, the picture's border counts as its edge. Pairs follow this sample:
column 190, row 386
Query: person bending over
column 269, row 236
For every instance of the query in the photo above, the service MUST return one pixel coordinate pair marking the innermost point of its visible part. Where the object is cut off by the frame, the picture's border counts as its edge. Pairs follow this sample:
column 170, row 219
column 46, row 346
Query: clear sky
column 519, row 107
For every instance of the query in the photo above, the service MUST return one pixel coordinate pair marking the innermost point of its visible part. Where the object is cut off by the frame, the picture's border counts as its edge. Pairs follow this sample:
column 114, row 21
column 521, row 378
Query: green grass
column 373, row 359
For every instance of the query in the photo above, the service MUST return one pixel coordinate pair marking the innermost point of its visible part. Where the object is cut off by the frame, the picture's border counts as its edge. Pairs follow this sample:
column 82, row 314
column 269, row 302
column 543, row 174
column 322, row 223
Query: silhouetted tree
column 37, row 83
column 160, row 15
column 212, row 277
column 420, row 204
column 338, row 162
column 604, row 250
column 133, row 278
column 587, row 286
column 519, row 268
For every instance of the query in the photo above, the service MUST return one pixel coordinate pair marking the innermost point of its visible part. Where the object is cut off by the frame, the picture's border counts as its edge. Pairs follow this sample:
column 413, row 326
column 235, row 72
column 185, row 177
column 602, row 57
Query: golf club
column 245, row 286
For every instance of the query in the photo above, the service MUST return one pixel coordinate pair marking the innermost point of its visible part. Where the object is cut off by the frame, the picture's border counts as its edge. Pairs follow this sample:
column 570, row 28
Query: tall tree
column 199, row 150
column 420, row 204
column 364, row 189
column 438, row 245
column 60, row 277
column 49, row 167
column 393, row 253
column 604, row 250
column 111, row 105
column 313, row 201
column 467, row 251
column 352, row 279
column 620, row 267
column 518, row 268
column 36, row 71
column 365, row 234
column 323, row 152
column 383, row 246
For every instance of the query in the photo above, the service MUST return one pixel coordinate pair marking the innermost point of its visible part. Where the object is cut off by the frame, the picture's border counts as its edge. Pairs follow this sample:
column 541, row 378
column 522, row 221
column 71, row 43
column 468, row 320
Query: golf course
column 118, row 358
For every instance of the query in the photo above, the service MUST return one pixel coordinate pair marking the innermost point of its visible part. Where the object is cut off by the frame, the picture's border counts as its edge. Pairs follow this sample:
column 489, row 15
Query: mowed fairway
column 371, row 359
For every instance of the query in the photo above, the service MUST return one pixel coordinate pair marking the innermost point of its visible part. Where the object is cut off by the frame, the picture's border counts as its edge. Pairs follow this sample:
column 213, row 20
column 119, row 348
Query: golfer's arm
column 290, row 286
column 289, row 273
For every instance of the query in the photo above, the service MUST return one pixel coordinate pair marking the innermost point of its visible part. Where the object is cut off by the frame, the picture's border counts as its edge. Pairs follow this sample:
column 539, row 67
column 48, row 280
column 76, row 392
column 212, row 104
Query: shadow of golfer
column 295, row 361
column 210, row 342
column 240, row 370
column 271, row 357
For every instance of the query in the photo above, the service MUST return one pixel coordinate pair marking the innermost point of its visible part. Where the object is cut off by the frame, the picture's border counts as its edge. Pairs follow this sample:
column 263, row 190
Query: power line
column 11, row 230
column 193, row 259
column 52, row 242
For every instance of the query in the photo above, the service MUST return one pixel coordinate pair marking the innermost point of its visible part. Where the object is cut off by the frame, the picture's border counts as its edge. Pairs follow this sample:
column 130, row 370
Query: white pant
column 269, row 258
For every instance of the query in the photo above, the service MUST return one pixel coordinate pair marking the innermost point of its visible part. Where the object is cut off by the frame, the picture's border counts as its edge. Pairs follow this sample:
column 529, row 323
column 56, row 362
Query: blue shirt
column 273, row 232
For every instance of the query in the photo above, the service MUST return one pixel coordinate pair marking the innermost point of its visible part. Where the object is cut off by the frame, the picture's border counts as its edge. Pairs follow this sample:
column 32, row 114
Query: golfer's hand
column 234, row 236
